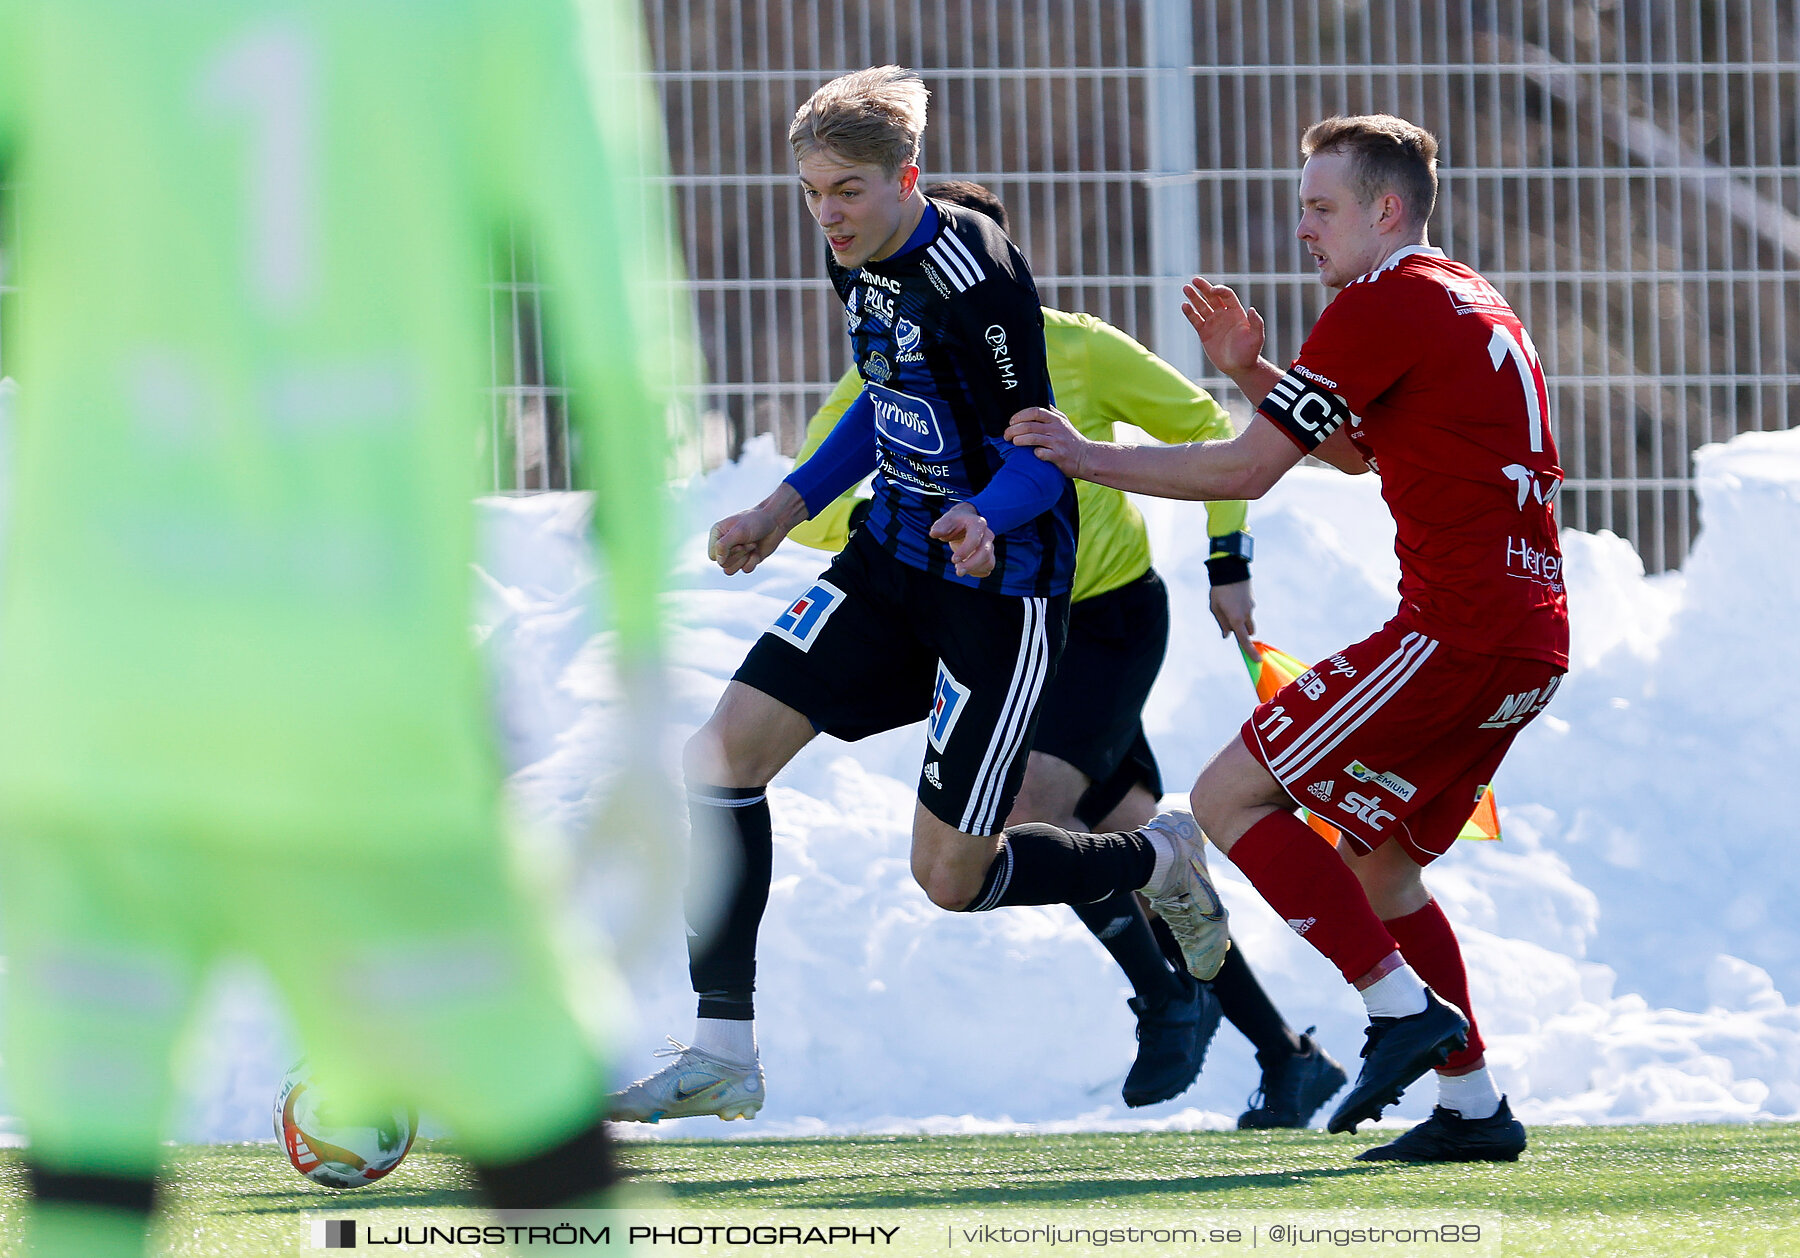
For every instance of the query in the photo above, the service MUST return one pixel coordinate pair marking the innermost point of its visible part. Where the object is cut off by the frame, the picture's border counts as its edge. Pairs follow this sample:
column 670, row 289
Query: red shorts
column 1393, row 738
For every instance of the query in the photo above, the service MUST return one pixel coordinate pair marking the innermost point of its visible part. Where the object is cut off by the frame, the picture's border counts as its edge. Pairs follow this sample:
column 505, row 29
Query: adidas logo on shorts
column 1302, row 924
column 932, row 775
column 1322, row 789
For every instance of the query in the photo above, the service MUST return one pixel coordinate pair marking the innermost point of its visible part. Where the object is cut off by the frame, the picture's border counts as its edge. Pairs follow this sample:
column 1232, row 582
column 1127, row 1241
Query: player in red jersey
column 1419, row 371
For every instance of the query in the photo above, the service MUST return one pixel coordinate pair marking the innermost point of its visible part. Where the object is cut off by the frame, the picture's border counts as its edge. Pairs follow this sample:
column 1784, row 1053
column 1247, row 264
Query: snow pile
column 1628, row 947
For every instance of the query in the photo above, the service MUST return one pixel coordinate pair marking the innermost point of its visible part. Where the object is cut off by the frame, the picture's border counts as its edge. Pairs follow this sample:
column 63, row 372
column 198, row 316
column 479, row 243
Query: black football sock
column 1045, row 864
column 722, row 961
column 1243, row 1001
column 1118, row 922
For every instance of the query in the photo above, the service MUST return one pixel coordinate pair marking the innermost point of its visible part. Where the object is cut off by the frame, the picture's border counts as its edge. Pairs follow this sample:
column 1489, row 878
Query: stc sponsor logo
column 905, row 421
column 1366, row 808
column 996, row 339
column 1525, row 560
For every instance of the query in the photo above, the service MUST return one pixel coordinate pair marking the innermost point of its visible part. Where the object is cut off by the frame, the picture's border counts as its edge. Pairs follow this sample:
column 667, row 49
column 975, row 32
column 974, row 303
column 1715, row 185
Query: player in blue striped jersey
column 949, row 605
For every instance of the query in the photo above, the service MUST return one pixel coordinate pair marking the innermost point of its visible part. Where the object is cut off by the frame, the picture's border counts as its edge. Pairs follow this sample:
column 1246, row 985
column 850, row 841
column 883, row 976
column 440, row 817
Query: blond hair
column 869, row 117
column 1389, row 154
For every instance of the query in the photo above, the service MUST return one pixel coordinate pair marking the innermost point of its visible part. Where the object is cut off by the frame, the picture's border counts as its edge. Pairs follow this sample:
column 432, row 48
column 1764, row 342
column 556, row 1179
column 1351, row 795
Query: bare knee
column 950, row 867
column 947, row 888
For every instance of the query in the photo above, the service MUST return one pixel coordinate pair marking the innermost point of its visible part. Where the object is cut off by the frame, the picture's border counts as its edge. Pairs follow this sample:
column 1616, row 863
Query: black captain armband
column 1228, row 559
column 1305, row 408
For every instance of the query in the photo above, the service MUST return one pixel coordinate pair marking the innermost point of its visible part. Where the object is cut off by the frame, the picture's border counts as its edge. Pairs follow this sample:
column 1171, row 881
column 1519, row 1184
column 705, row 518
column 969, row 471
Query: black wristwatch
column 1228, row 558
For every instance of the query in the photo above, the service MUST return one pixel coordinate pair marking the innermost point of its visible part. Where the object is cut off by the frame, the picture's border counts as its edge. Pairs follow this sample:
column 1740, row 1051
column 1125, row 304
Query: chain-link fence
column 1627, row 173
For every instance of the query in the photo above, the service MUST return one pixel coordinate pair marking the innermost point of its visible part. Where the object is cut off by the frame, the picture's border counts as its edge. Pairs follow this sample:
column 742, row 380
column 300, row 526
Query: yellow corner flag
column 1275, row 669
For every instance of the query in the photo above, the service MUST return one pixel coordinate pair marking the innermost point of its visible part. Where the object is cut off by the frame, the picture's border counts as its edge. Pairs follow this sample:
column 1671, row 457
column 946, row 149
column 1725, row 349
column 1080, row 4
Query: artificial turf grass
column 1696, row 1192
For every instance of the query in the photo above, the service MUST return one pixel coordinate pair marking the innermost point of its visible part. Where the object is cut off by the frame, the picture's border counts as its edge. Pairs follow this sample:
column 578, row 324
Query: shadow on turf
column 989, row 1194
column 359, row 1200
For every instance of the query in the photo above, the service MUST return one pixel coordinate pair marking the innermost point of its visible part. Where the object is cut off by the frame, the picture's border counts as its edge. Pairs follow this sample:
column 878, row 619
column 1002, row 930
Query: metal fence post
column 1174, row 192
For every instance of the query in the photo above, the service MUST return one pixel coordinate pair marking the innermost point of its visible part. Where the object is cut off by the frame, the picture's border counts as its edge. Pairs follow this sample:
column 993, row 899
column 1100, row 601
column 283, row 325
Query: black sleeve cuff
column 1228, row 570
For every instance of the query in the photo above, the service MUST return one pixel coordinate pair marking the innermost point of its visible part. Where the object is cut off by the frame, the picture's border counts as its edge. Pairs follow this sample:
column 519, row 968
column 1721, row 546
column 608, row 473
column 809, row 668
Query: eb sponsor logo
column 806, row 615
column 948, row 699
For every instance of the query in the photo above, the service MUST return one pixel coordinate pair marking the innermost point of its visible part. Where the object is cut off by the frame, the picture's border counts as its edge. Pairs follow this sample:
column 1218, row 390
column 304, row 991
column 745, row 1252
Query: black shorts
column 1093, row 711
column 874, row 644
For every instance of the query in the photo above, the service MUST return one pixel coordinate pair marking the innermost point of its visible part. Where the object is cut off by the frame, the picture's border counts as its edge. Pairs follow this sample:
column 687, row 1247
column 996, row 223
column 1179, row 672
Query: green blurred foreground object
column 240, row 709
column 1659, row 1192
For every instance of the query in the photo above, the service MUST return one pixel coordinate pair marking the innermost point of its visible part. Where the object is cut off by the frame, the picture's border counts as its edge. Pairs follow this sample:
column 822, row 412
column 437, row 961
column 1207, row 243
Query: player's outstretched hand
column 1230, row 332
column 1234, row 608
column 1055, row 437
column 971, row 540
column 739, row 542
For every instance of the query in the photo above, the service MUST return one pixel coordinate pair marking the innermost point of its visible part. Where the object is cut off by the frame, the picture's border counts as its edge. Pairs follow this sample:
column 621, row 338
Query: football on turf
column 333, row 1152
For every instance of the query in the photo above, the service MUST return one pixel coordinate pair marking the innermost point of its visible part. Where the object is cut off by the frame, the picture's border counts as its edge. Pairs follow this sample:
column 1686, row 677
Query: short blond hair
column 872, row 117
column 1389, row 154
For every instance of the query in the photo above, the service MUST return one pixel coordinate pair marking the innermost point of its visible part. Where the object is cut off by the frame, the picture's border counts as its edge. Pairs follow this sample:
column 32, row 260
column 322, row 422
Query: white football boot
column 1189, row 904
column 694, row 1083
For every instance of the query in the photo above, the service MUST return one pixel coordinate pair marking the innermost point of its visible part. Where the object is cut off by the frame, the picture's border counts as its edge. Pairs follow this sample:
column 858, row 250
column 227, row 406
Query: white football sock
column 1396, row 994
column 729, row 1039
column 1472, row 1095
column 1164, row 848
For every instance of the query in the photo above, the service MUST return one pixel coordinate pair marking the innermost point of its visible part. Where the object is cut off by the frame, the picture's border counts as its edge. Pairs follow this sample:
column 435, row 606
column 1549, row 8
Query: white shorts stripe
column 1371, row 680
column 1029, row 672
column 1366, row 698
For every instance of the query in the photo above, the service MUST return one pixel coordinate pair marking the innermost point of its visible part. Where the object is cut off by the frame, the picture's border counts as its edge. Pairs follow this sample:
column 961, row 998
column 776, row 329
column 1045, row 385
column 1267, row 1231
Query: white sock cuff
column 1396, row 994
column 1164, row 848
column 729, row 1039
column 1473, row 1095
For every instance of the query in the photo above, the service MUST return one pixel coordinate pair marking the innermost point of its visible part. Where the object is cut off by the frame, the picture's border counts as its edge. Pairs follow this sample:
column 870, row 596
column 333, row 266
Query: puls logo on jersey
column 806, row 615
column 948, row 699
column 905, row 421
column 907, row 334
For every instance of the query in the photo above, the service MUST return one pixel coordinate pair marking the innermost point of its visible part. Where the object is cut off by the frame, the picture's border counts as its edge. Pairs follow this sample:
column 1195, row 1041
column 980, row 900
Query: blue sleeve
column 1024, row 488
column 845, row 456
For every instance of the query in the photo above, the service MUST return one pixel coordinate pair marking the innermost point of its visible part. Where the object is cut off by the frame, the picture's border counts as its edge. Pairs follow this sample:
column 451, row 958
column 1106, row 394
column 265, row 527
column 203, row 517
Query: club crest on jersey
column 806, row 615
column 906, row 333
column 906, row 422
column 948, row 699
column 875, row 368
